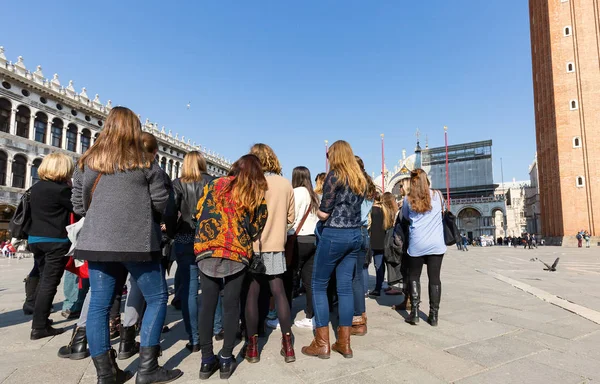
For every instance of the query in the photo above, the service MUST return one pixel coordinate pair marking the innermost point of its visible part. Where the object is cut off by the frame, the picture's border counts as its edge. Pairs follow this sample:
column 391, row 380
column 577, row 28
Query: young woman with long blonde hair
column 423, row 209
column 188, row 190
column 338, row 248
column 122, row 193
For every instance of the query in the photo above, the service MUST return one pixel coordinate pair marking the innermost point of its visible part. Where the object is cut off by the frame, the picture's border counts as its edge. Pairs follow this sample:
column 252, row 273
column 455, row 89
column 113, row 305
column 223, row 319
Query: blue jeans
column 187, row 274
column 151, row 281
column 379, row 270
column 74, row 296
column 360, row 284
column 337, row 250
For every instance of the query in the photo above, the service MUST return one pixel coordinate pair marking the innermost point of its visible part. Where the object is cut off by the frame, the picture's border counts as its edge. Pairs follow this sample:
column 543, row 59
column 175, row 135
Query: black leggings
column 434, row 266
column 306, row 256
column 281, row 303
column 211, row 289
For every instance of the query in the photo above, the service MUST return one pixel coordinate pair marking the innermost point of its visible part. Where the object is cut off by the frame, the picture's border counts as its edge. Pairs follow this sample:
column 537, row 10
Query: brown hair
column 119, row 147
column 371, row 189
column 266, row 156
column 56, row 167
column 150, row 143
column 346, row 168
column 419, row 197
column 319, row 180
column 249, row 184
column 390, row 209
column 194, row 165
column 301, row 178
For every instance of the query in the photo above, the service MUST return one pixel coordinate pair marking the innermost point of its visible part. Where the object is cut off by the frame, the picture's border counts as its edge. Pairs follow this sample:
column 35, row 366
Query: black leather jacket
column 186, row 201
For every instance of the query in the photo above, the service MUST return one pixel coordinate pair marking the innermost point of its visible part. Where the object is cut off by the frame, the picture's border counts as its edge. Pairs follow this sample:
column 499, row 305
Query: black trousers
column 51, row 261
column 306, row 257
column 434, row 266
column 211, row 288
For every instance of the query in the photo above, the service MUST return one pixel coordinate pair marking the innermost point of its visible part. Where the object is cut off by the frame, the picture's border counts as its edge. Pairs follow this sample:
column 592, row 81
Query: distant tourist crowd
column 250, row 242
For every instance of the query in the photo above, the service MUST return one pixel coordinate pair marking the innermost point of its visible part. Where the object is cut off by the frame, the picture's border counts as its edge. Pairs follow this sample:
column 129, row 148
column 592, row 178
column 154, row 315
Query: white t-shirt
column 302, row 204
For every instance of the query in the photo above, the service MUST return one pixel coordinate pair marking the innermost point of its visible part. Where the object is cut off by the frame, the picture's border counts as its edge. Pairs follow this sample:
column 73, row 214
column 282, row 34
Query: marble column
column 13, row 122
column 49, row 132
column 32, row 125
column 63, row 141
column 28, row 175
column 9, row 177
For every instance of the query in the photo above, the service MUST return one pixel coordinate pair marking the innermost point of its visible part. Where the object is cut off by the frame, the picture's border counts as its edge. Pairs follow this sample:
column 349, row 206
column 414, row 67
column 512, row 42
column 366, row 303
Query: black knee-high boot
column 415, row 300
column 435, row 294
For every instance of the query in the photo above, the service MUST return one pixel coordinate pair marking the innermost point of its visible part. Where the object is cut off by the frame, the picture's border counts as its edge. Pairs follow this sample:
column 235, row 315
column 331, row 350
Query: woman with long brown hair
column 188, row 190
column 122, row 193
column 306, row 206
column 423, row 209
column 338, row 247
column 231, row 215
column 271, row 246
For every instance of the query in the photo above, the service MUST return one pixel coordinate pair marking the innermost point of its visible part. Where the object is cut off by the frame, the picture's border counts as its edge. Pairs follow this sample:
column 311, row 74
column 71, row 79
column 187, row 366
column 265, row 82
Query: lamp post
column 447, row 169
column 326, row 156
column 382, row 165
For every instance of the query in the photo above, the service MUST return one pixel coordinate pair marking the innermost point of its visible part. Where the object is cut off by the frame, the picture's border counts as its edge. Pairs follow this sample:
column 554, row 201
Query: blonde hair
column 266, row 156
column 119, row 147
column 194, row 164
column 419, row 197
column 346, row 168
column 56, row 167
column 319, row 180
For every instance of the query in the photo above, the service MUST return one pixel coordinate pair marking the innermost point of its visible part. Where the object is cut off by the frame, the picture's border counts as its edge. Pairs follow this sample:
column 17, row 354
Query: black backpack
column 21, row 221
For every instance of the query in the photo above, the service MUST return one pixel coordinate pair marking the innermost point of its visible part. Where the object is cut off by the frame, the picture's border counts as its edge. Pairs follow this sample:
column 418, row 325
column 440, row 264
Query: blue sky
column 292, row 74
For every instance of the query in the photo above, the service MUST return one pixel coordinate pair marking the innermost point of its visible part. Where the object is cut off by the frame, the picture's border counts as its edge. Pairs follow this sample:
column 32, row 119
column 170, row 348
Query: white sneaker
column 273, row 324
column 305, row 323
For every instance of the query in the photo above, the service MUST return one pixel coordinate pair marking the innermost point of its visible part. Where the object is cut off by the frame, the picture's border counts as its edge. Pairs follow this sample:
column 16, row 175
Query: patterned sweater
column 222, row 232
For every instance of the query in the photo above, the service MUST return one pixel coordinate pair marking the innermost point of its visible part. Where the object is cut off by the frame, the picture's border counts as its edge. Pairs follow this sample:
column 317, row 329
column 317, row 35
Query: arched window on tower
column 567, row 31
column 573, row 105
column 34, row 171
column 19, row 169
column 5, row 110
column 72, row 138
column 23, row 116
column 576, row 142
column 57, row 128
column 3, row 165
column 176, row 175
column 40, row 125
column 170, row 169
column 570, row 67
column 580, row 181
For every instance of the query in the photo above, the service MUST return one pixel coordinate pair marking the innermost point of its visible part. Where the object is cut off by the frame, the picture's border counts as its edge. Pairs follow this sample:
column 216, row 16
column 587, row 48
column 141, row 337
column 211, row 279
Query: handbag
column 291, row 240
column 257, row 263
column 451, row 234
column 21, row 220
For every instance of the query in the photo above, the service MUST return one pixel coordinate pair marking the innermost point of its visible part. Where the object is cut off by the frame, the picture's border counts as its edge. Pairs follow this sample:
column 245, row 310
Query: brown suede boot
column 404, row 306
column 320, row 345
column 359, row 325
column 342, row 345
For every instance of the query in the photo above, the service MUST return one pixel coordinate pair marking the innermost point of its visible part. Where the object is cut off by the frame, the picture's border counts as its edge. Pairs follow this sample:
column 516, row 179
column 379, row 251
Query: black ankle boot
column 149, row 372
column 77, row 348
column 128, row 346
column 208, row 369
column 107, row 370
column 226, row 367
column 31, row 284
column 435, row 294
column 415, row 300
column 37, row 334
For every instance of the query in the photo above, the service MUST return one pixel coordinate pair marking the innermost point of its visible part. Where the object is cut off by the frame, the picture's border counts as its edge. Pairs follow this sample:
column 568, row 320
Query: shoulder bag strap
column 94, row 187
column 302, row 222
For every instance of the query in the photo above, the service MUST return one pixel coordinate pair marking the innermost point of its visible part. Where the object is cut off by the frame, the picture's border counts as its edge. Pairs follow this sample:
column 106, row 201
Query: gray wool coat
column 122, row 224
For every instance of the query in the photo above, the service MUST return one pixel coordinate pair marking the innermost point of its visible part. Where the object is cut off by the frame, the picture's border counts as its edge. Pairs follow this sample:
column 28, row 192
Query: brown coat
column 280, row 206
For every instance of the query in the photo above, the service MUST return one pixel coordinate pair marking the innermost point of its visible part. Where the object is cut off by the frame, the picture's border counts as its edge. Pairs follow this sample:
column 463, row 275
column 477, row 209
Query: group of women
column 239, row 234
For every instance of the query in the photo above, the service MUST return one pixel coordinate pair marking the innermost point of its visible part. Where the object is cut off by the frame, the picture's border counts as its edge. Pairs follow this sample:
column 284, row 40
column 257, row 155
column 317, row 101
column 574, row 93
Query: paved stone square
column 502, row 320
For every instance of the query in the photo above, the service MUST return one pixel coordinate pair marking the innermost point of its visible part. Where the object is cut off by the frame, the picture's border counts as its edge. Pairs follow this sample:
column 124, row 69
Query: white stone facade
column 39, row 116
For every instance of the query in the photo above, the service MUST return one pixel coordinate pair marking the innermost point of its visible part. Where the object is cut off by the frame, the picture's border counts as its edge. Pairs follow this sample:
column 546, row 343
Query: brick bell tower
column 565, row 48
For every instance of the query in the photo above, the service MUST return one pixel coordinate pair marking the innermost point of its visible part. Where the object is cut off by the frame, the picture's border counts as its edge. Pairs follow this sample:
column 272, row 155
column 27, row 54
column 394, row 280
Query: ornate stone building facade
column 39, row 116
column 565, row 48
column 479, row 210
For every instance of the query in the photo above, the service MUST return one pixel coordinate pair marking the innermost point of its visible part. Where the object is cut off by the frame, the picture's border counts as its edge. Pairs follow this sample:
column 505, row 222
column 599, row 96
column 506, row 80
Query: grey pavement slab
column 489, row 332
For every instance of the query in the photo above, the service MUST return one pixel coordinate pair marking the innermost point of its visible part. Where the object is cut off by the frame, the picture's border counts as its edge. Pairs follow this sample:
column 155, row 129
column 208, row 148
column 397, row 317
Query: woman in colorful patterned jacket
column 231, row 215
